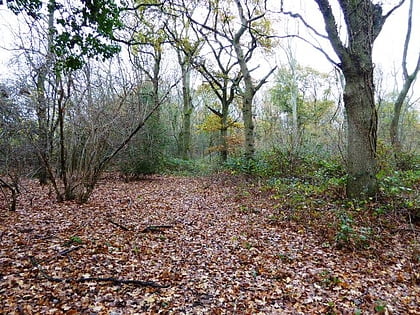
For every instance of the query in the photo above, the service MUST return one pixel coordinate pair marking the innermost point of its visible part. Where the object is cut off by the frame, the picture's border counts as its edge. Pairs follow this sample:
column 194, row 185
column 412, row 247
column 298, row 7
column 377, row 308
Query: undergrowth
column 311, row 191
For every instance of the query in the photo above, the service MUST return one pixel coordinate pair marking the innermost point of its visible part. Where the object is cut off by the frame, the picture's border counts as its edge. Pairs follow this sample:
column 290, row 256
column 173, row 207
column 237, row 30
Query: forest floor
column 200, row 245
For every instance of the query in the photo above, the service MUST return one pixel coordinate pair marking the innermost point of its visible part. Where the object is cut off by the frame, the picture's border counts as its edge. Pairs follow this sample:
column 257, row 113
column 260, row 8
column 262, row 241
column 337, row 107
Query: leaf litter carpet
column 176, row 245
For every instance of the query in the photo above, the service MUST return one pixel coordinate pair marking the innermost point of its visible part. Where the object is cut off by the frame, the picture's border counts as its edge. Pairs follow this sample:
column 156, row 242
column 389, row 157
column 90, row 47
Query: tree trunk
column 42, row 105
column 248, row 96
column 408, row 81
column 248, row 124
column 187, row 109
column 42, row 145
column 361, row 141
column 224, row 131
column 394, row 128
column 364, row 21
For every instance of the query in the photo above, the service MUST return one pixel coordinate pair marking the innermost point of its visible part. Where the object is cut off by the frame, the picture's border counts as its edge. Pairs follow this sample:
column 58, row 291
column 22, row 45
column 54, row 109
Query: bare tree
column 241, row 25
column 407, row 83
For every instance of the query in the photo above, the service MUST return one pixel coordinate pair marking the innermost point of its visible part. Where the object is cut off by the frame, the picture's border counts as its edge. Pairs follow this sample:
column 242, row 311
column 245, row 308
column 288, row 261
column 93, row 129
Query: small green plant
column 350, row 235
column 247, row 245
column 73, row 240
column 286, row 258
column 380, row 306
column 331, row 308
column 345, row 229
column 244, row 209
column 76, row 239
column 328, row 279
column 397, row 182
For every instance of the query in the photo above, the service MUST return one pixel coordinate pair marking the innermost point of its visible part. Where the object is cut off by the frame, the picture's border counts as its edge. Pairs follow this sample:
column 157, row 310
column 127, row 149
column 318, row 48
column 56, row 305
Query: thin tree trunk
column 248, row 125
column 187, row 111
column 394, row 128
column 42, row 105
column 224, row 131
column 408, row 81
column 42, row 144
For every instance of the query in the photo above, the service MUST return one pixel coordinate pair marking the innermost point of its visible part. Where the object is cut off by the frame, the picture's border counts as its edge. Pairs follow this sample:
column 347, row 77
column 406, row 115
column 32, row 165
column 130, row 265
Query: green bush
column 139, row 167
column 281, row 163
column 397, row 182
column 408, row 161
column 178, row 166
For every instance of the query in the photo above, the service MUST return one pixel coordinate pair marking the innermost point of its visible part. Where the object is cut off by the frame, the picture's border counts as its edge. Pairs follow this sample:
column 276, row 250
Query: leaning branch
column 331, row 28
column 264, row 80
column 393, row 9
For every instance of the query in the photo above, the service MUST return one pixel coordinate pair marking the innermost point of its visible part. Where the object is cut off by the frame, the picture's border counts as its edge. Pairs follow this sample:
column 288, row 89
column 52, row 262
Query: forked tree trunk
column 364, row 21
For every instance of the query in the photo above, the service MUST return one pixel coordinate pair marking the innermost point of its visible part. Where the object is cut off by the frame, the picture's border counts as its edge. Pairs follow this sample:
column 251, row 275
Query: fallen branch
column 67, row 251
column 139, row 283
column 119, row 225
column 63, row 253
column 156, row 228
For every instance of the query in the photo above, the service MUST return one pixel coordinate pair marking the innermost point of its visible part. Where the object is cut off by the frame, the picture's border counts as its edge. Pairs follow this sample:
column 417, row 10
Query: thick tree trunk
column 364, row 21
column 362, row 127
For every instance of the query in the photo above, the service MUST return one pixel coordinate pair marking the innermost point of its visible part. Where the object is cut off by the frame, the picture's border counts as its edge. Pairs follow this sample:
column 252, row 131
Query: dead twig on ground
column 119, row 225
column 139, row 283
column 156, row 228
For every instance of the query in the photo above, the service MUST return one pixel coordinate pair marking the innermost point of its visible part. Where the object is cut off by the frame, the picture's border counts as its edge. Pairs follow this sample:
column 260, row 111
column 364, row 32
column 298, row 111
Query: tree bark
column 224, row 130
column 361, row 134
column 364, row 22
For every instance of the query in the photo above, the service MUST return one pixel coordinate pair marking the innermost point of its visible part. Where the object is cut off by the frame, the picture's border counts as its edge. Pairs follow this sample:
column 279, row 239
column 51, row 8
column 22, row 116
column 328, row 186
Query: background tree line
column 156, row 86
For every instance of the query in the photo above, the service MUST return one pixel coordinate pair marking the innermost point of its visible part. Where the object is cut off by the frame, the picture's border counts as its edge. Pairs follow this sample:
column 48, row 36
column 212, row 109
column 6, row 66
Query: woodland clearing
column 221, row 244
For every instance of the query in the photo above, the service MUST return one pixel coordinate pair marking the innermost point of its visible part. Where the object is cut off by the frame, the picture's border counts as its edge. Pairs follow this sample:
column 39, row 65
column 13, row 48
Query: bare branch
column 393, row 9
column 329, row 58
column 331, row 28
column 300, row 18
column 407, row 41
column 264, row 80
